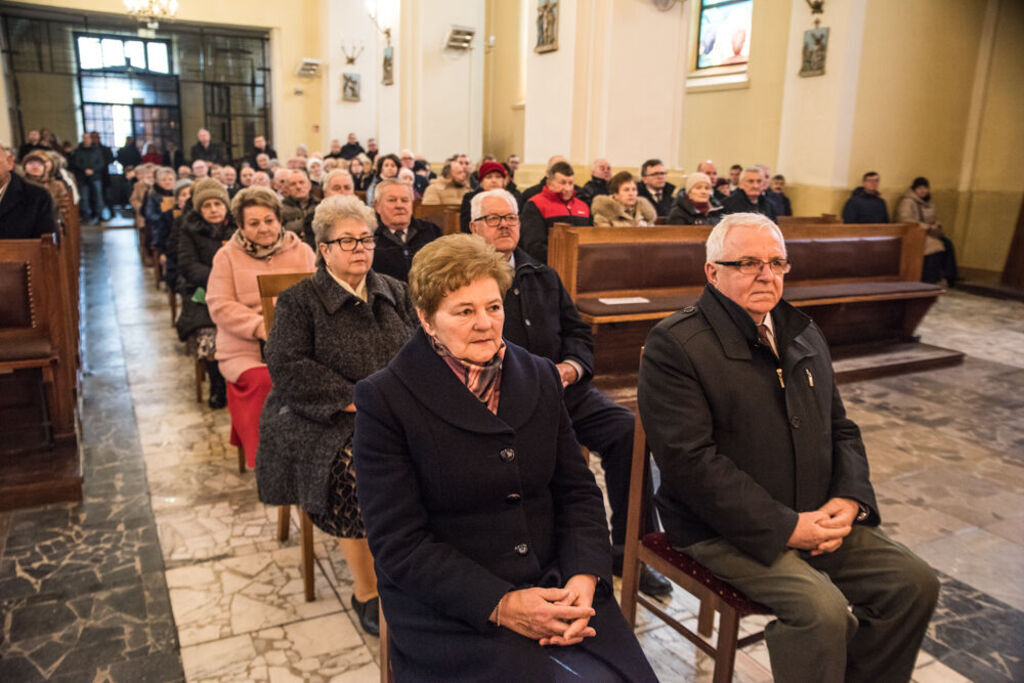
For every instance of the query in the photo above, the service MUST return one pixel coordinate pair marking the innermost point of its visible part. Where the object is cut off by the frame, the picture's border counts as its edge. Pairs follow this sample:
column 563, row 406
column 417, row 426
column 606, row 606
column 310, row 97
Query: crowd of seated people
column 457, row 370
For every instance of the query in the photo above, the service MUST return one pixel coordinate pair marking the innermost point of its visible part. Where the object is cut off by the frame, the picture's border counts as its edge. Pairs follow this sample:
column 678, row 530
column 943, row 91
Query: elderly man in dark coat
column 330, row 331
column 865, row 204
column 400, row 235
column 749, row 196
column 541, row 317
column 26, row 210
column 765, row 478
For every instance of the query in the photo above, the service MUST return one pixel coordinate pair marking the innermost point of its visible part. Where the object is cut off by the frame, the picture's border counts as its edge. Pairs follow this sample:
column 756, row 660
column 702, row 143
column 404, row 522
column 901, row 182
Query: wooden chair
column 172, row 301
column 653, row 549
column 200, row 375
column 387, row 674
column 270, row 287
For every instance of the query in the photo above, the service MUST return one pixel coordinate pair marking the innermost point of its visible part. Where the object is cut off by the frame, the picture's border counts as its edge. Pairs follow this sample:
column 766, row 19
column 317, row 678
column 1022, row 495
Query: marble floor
column 170, row 569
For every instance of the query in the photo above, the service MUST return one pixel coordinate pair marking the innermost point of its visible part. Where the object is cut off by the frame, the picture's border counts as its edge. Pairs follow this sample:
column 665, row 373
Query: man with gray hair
column 26, row 210
column 764, row 479
column 541, row 317
column 399, row 235
column 749, row 198
column 338, row 181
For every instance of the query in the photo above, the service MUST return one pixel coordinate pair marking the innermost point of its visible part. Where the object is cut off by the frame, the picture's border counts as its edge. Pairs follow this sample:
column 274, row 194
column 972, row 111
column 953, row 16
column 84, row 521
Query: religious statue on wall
column 389, row 66
column 812, row 62
column 815, row 47
column 350, row 87
column 547, row 26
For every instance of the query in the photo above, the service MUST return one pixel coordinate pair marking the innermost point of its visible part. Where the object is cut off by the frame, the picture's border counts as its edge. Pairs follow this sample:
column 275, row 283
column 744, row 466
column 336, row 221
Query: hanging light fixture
column 151, row 12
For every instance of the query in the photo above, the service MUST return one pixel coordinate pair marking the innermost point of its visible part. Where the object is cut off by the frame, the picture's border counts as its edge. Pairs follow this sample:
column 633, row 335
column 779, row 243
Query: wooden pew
column 444, row 216
column 860, row 283
column 824, row 219
column 40, row 461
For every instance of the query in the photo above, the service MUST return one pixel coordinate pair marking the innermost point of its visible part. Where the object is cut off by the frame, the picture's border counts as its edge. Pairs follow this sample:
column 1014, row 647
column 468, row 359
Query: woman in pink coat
column 258, row 247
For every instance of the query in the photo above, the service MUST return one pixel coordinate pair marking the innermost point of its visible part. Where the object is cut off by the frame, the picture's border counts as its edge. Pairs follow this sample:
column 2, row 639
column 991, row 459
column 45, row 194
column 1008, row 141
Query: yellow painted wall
column 503, row 89
column 994, row 199
column 742, row 125
column 294, row 34
column 913, row 96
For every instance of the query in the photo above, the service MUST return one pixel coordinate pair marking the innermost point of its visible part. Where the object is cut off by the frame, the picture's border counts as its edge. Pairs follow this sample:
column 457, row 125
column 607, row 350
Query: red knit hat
column 490, row 167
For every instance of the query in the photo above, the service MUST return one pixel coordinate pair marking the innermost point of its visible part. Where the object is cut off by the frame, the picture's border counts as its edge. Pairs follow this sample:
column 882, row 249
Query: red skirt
column 245, row 403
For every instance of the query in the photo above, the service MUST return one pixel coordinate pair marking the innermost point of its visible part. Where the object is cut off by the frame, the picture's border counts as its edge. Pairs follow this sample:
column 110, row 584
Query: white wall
column 817, row 113
column 549, row 89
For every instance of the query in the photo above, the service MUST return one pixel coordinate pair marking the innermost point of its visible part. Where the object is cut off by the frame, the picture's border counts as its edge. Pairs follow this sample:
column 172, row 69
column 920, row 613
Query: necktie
column 400, row 234
column 763, row 336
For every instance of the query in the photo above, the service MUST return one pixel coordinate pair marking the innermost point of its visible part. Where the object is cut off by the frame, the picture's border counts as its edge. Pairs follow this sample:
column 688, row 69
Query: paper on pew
column 622, row 300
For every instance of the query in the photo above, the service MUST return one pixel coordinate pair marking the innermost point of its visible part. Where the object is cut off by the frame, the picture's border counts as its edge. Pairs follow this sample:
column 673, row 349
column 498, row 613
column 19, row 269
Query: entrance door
column 156, row 124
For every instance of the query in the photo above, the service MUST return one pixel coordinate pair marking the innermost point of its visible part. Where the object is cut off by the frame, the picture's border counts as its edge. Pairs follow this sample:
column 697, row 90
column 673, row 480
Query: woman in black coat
column 697, row 204
column 204, row 228
column 330, row 331
column 487, row 527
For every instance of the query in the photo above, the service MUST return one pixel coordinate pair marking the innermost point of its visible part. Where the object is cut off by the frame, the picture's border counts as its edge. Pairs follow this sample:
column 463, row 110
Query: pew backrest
column 271, row 286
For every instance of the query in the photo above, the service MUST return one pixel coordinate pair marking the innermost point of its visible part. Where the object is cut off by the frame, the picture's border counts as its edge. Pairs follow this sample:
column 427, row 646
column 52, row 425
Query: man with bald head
column 207, row 150
column 600, row 174
column 764, row 479
column 279, row 182
column 708, row 168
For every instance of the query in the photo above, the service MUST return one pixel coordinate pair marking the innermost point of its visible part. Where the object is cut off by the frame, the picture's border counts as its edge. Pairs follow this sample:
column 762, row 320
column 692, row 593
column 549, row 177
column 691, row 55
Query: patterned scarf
column 258, row 251
column 483, row 379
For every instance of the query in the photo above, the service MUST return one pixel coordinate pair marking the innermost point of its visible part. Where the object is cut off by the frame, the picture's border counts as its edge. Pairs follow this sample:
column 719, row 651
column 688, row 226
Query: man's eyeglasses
column 656, row 174
column 494, row 220
column 349, row 243
column 753, row 266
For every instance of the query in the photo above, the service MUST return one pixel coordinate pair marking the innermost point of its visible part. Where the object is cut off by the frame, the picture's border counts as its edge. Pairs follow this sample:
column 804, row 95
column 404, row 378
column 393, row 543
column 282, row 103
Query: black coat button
column 507, row 455
column 522, row 549
column 513, row 498
column 689, row 309
column 795, row 422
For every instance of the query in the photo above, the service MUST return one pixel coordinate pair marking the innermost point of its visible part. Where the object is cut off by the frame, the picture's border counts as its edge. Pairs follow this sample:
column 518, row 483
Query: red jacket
column 544, row 210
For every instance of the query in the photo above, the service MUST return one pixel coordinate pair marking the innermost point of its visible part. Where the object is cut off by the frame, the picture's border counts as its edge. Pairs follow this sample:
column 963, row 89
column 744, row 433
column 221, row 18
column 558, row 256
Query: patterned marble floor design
column 170, row 569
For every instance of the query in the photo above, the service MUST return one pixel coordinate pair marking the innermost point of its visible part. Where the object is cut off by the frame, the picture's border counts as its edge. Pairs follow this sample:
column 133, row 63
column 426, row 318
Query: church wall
column 504, row 80
column 994, row 198
column 549, row 114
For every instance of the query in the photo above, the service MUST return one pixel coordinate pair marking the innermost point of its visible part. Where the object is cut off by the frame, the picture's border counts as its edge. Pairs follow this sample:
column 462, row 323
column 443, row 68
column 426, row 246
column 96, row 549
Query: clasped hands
column 551, row 616
column 823, row 530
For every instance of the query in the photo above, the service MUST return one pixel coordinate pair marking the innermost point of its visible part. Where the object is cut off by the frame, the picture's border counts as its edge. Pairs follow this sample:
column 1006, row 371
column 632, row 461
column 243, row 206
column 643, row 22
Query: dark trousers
column 606, row 427
column 856, row 614
column 91, row 202
column 941, row 264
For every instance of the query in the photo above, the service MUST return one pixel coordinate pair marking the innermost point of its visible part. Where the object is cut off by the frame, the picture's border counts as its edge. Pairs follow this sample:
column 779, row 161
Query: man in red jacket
column 556, row 203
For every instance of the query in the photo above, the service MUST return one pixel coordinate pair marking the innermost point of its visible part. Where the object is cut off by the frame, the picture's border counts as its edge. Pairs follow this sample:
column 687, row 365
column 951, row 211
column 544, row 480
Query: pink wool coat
column 233, row 298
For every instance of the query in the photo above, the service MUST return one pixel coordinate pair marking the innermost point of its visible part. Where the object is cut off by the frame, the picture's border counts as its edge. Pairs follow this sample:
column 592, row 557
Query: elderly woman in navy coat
column 487, row 528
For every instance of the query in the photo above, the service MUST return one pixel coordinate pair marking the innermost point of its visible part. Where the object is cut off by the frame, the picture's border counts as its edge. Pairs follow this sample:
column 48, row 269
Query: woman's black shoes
column 369, row 614
column 217, row 401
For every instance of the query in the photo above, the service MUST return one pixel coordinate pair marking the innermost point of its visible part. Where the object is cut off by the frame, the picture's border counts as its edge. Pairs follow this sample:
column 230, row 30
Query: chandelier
column 151, row 11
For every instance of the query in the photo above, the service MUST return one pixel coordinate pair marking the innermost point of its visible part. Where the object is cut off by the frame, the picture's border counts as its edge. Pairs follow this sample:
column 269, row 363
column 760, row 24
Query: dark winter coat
column 780, row 203
column 684, row 213
column 83, row 158
column 394, row 258
column 350, row 150
column 198, row 242
column 541, row 212
column 739, row 202
column 26, row 211
column 129, row 156
column 740, row 454
column 214, row 154
column 594, row 187
column 462, row 506
column 323, row 341
column 665, row 205
column 863, row 207
column 159, row 220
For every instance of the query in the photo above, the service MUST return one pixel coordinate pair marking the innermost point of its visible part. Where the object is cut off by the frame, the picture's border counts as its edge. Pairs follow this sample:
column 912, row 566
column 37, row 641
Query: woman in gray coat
column 330, row 331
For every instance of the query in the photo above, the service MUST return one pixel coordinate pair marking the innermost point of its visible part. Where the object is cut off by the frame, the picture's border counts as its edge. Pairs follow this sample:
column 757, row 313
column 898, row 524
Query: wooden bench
column 824, row 219
column 444, row 216
column 41, row 462
column 860, row 283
